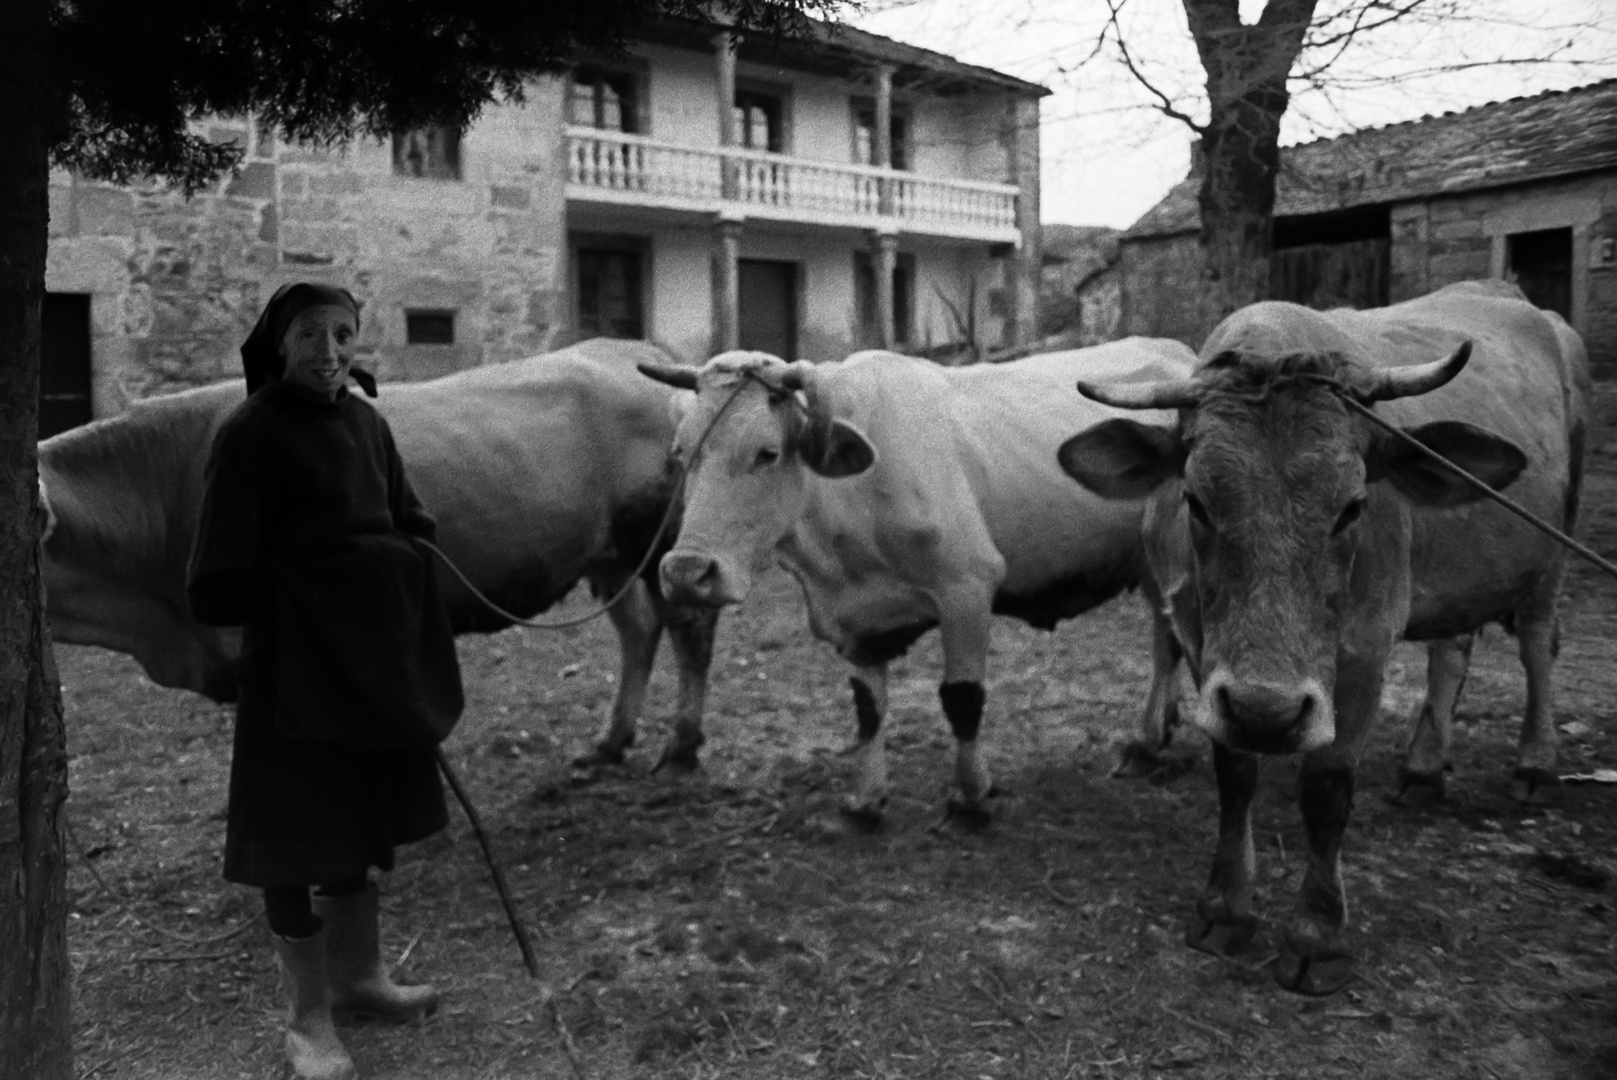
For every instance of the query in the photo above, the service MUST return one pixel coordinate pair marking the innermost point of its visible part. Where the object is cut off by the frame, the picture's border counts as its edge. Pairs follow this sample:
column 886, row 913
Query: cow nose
column 689, row 576
column 1271, row 708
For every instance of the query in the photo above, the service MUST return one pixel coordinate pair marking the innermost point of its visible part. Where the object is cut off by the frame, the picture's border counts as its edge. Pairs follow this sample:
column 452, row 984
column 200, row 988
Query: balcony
column 611, row 167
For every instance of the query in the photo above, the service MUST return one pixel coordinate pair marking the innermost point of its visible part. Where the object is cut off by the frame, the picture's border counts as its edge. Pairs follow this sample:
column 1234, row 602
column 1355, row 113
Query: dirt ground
column 729, row 924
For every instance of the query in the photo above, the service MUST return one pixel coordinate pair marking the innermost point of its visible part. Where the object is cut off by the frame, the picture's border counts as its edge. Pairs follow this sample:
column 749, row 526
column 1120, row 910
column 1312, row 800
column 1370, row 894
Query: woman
column 348, row 676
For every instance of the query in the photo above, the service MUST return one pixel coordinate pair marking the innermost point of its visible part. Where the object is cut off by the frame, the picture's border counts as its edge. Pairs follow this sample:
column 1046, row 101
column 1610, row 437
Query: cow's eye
column 767, row 456
column 1350, row 513
column 1198, row 512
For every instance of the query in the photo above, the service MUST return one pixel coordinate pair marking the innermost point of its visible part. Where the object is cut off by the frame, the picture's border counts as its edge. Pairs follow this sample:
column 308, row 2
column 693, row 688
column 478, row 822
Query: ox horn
column 675, row 375
column 1390, row 383
column 1171, row 394
column 799, row 375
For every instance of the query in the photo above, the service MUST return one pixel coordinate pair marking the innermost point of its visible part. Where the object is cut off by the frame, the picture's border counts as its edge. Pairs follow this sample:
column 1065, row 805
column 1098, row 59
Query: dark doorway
column 64, row 363
column 769, row 307
column 610, row 301
column 1541, row 265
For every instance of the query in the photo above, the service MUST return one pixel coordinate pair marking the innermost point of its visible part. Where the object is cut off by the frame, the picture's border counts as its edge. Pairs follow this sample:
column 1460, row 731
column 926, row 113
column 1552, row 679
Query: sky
column 1108, row 155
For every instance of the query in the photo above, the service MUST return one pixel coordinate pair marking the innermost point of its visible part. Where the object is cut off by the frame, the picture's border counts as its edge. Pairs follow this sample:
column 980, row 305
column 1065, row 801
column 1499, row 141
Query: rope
column 1346, row 395
column 122, row 905
column 645, row 560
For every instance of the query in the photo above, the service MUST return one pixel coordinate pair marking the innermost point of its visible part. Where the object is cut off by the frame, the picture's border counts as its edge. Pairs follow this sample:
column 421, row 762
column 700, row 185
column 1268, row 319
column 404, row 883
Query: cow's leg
column 1141, row 754
column 869, row 796
column 690, row 632
column 1536, row 779
column 634, row 617
column 1428, row 758
column 965, row 632
column 1223, row 923
column 1312, row 958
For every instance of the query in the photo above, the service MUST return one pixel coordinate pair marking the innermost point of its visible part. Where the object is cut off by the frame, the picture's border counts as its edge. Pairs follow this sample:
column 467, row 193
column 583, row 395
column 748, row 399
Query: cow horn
column 675, row 375
column 1172, row 394
column 797, row 376
column 1390, row 383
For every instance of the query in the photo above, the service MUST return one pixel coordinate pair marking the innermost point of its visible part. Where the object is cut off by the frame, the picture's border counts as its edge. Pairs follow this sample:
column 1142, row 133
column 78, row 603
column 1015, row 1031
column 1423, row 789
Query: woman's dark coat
column 348, row 670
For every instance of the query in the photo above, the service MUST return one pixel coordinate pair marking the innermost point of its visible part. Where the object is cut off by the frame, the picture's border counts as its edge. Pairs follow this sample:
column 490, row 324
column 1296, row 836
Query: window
column 429, row 327
column 760, row 120
column 864, row 134
column 609, row 100
column 431, row 153
column 1540, row 263
column 864, row 282
column 609, row 299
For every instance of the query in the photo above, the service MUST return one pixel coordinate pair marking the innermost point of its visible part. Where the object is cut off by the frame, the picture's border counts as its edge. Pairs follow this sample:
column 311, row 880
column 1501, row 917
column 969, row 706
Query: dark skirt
column 304, row 812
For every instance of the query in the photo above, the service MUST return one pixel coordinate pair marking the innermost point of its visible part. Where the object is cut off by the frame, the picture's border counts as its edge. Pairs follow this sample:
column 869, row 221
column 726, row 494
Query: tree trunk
column 1246, row 91
column 35, row 1029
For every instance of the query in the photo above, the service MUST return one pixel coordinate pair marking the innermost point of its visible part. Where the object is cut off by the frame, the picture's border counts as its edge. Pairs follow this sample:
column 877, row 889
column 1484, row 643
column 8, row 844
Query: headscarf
column 261, row 358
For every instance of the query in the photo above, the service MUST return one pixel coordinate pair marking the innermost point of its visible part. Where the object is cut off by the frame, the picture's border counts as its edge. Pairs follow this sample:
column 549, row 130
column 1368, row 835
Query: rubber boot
column 359, row 982
column 312, row 1045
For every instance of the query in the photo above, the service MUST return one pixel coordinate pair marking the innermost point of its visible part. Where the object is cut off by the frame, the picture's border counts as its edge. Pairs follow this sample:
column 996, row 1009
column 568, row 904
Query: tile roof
column 1558, row 133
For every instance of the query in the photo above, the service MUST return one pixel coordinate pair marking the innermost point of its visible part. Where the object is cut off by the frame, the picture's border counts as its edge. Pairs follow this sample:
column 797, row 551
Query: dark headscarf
column 261, row 358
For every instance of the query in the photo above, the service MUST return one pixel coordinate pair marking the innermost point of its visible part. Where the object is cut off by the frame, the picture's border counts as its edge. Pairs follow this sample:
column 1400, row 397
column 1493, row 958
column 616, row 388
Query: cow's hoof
column 1225, row 935
column 1420, row 788
column 1136, row 761
column 866, row 815
column 967, row 813
column 1316, row 975
column 601, row 755
column 679, row 757
column 1536, row 787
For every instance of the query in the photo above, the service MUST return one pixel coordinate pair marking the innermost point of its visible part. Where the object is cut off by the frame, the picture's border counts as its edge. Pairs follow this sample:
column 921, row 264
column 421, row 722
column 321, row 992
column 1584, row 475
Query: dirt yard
column 729, row 924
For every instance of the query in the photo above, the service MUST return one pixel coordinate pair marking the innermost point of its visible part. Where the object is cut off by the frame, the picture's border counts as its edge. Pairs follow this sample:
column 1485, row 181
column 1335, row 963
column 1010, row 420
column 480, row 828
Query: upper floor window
column 432, row 153
column 760, row 119
column 609, row 100
column 864, row 135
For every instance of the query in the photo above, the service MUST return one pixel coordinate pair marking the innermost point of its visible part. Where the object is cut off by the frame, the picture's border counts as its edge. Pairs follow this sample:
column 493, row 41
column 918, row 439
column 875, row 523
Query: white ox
column 1297, row 542
column 540, row 472
column 902, row 496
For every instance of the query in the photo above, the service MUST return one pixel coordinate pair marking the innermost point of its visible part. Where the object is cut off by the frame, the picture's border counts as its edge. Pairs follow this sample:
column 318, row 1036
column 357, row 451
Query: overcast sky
column 1108, row 156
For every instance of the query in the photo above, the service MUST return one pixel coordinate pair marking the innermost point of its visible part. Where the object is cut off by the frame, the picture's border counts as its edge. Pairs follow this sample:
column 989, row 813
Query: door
column 64, row 363
column 769, row 307
column 1541, row 265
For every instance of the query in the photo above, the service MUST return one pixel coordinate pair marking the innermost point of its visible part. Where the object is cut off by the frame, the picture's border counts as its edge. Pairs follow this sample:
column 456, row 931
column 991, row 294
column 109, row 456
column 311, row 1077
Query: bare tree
column 1253, row 68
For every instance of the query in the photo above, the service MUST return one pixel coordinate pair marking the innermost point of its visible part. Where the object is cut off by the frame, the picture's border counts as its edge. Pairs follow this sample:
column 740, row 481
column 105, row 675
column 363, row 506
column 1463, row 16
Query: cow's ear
column 675, row 375
column 1123, row 459
column 1495, row 461
column 838, row 449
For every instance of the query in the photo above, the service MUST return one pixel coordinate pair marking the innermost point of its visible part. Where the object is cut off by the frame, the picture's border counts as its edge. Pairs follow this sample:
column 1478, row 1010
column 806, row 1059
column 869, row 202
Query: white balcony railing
column 614, row 167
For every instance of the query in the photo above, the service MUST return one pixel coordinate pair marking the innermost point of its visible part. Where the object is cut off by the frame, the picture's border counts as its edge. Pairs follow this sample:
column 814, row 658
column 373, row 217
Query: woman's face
column 319, row 348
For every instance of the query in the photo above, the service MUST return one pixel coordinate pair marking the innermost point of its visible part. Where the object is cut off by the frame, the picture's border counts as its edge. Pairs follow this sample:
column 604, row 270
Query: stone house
column 807, row 197
column 1524, row 189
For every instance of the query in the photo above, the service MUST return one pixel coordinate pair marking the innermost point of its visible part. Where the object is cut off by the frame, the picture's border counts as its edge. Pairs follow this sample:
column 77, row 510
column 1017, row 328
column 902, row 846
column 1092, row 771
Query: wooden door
column 64, row 363
column 769, row 307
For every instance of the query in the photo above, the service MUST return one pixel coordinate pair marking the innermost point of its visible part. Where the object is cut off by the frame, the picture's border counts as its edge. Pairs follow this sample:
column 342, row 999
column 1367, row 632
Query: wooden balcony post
column 724, row 57
column 881, row 140
column 726, row 284
column 884, row 257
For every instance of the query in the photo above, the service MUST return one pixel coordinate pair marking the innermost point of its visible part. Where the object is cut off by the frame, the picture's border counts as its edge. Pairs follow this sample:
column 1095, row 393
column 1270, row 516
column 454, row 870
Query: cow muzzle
column 690, row 577
column 1265, row 716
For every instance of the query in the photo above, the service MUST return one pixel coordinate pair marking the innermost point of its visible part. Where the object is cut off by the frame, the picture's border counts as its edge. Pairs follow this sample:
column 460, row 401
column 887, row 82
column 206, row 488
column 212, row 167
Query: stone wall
column 1160, row 279
column 176, row 284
